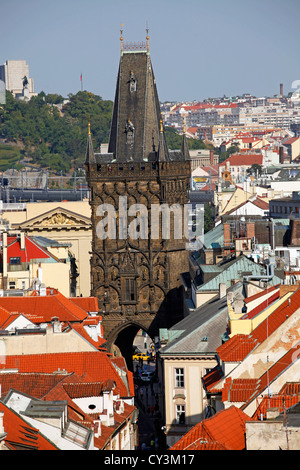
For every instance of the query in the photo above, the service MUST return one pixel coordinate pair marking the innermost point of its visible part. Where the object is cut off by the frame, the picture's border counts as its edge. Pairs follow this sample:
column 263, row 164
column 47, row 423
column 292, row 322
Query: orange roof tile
column 279, row 401
column 34, row 384
column 20, row 434
column 239, row 346
column 89, row 304
column 225, row 430
column 265, row 304
column 261, row 294
column 247, row 390
column 44, row 308
column 238, row 159
column 97, row 366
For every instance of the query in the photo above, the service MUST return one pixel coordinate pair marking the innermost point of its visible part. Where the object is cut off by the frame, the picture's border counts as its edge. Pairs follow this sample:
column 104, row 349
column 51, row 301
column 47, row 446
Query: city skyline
column 198, row 49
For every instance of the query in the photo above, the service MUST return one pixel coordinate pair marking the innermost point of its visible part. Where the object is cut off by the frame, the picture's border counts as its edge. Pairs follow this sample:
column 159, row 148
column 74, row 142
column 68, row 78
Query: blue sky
column 198, row 48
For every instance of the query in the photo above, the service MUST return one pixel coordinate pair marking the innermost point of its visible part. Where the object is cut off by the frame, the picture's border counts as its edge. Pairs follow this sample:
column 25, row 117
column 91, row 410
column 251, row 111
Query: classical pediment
column 56, row 219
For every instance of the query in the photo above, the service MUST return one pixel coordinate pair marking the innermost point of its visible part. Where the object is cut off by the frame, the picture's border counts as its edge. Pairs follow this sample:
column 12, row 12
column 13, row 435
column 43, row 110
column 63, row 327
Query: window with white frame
column 180, row 414
column 179, row 377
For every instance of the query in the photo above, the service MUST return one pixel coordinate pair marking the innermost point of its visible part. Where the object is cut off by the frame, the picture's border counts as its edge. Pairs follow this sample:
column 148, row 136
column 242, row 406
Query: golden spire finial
column 161, row 124
column 184, row 125
column 147, row 37
column 89, row 127
column 121, row 38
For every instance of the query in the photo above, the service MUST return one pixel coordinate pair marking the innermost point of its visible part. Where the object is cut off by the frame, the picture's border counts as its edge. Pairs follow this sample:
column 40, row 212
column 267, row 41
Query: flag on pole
column 81, row 80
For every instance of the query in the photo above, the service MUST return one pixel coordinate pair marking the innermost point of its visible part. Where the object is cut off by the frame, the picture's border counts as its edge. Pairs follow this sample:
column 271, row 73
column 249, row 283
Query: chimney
column 40, row 272
column 43, row 290
column 97, row 427
column 238, row 306
column 226, row 232
column 4, row 238
column 281, row 89
column 281, row 157
column 250, row 230
column 22, row 242
column 222, row 290
column 1, row 423
column 211, row 155
column 56, row 325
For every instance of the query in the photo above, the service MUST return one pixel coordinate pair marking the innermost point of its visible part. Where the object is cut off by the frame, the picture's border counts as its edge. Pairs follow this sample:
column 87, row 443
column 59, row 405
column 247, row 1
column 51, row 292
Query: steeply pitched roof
column 41, row 309
column 235, row 269
column 239, row 346
column 201, row 331
column 32, row 250
column 247, row 390
column 140, row 107
column 95, row 365
column 223, row 431
column 243, row 159
column 20, row 434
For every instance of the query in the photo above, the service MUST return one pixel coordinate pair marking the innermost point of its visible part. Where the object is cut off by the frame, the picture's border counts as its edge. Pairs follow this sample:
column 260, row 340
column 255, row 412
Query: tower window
column 132, row 82
column 129, row 290
column 129, row 130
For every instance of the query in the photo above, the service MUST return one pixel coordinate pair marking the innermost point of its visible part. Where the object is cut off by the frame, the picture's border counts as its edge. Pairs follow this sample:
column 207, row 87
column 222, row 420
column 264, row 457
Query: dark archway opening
column 133, row 338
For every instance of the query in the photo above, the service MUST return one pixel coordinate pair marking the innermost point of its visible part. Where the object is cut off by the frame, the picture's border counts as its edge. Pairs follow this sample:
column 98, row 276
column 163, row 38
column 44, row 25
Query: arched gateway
column 139, row 190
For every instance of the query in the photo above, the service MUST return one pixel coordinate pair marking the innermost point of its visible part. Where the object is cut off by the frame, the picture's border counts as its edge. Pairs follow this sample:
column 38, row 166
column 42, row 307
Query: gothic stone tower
column 137, row 281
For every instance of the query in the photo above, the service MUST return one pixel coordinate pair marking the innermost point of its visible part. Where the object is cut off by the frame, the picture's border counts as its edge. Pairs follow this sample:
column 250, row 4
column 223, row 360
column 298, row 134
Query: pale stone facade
column 64, row 222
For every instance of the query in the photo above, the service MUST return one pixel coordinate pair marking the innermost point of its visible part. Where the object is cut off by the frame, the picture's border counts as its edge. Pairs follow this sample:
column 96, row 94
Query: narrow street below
column 151, row 436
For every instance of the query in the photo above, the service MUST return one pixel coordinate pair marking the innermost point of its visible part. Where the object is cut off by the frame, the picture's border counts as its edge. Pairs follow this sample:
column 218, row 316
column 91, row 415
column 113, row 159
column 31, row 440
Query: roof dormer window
column 132, row 82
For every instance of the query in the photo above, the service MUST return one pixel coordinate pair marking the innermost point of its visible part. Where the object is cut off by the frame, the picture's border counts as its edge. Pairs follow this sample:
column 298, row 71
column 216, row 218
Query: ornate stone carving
column 58, row 219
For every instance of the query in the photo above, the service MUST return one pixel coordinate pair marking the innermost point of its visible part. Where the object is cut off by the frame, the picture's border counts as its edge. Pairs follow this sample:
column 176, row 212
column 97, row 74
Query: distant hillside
column 53, row 135
column 10, row 156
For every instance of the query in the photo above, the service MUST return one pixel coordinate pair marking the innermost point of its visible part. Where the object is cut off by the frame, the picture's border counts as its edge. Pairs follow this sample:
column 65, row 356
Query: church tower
column 136, row 274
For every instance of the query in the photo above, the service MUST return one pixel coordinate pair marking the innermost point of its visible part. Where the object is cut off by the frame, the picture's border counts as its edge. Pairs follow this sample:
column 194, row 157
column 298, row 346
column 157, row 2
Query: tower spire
column 89, row 154
column 121, row 38
column 147, row 37
column 185, row 147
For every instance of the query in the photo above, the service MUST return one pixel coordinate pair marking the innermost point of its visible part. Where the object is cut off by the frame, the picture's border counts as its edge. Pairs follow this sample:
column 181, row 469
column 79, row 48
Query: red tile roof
column 34, row 384
column 89, row 304
column 20, row 434
column 247, row 390
column 273, row 372
column 99, row 344
column 225, row 430
column 32, row 250
column 239, row 346
column 280, row 401
column 94, row 366
column 261, row 294
column 265, row 304
column 42, row 309
column 240, row 159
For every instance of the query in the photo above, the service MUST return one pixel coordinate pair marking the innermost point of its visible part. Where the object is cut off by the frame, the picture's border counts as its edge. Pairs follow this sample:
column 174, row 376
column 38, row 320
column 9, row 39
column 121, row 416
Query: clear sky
column 198, row 48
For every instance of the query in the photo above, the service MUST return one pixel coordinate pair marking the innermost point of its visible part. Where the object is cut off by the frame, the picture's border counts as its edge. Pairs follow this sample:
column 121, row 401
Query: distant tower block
column 13, row 73
column 281, row 89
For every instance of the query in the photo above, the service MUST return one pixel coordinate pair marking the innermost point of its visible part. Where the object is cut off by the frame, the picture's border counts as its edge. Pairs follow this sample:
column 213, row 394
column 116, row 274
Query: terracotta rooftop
column 261, row 294
column 239, row 346
column 241, row 159
column 20, row 435
column 92, row 366
column 40, row 309
column 225, row 430
column 247, row 390
column 266, row 303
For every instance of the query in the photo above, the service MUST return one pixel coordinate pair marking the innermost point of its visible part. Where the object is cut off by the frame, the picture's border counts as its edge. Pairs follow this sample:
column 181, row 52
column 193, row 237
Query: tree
column 254, row 169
